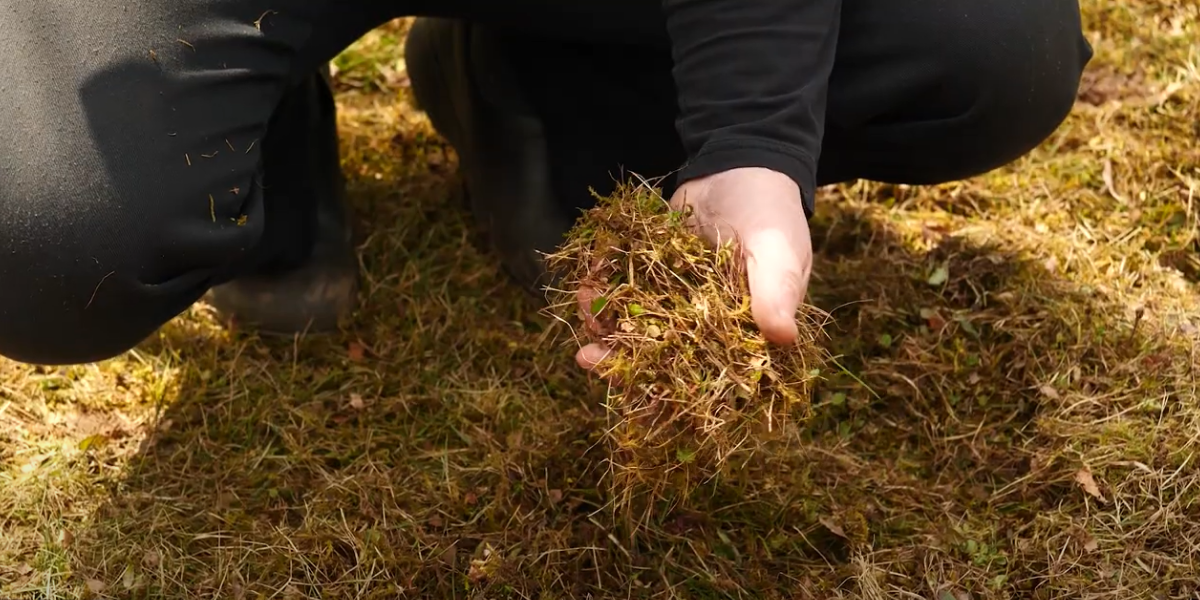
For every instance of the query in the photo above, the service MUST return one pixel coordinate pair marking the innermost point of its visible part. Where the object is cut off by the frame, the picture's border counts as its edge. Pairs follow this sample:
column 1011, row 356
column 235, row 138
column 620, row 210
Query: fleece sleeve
column 752, row 79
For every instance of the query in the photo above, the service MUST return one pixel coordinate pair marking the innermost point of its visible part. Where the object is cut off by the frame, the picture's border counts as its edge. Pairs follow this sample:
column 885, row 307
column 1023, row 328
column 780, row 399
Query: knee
column 63, row 298
column 79, row 280
column 1020, row 63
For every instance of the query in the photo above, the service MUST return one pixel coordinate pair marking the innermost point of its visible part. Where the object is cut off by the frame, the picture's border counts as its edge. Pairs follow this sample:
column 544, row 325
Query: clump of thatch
column 694, row 382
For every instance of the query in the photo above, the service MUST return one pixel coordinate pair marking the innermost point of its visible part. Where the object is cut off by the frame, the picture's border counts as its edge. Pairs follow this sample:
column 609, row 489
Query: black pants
column 135, row 136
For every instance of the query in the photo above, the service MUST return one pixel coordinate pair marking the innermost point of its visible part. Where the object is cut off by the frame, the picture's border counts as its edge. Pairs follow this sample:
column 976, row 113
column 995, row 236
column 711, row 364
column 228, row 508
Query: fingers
column 778, row 274
column 592, row 355
column 601, row 325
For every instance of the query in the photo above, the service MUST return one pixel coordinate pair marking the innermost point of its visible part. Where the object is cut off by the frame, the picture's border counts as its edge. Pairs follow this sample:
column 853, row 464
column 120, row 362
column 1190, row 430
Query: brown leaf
column 1049, row 392
column 95, row 586
column 1089, row 543
column 151, row 559
column 471, row 499
column 936, row 322
column 436, row 521
column 449, row 556
column 1084, row 478
column 356, row 402
column 933, row 319
column 556, row 496
column 832, row 526
column 356, row 351
column 226, row 499
column 24, row 569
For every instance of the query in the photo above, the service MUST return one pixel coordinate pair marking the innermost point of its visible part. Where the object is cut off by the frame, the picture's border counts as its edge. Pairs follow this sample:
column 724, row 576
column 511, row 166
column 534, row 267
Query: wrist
column 770, row 160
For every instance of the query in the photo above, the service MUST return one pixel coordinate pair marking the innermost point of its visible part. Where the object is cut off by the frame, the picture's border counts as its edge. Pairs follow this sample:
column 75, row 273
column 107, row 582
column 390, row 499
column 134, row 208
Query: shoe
column 311, row 299
column 314, row 296
column 462, row 78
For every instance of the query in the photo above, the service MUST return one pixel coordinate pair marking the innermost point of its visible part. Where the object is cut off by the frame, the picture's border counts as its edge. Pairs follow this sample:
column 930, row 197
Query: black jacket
column 752, row 80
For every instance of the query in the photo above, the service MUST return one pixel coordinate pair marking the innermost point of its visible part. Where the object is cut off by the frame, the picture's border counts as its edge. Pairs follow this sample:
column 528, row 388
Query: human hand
column 762, row 212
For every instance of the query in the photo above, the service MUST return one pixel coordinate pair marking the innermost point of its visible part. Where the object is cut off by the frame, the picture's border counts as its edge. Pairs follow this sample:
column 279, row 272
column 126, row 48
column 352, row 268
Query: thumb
column 778, row 276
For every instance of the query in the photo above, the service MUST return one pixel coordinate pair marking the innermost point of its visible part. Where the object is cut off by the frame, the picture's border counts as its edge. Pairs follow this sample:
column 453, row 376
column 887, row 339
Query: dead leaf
column 1084, row 478
column 556, row 496
column 1089, row 543
column 356, row 402
column 24, row 569
column 936, row 322
column 471, row 499
column 1049, row 392
column 225, row 500
column 128, row 579
column 832, row 526
column 436, row 521
column 151, row 559
column 65, row 538
column 356, row 351
column 95, row 586
column 449, row 556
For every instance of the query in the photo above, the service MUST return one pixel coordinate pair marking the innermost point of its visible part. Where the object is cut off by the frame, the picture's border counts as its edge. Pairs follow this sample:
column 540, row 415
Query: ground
column 1013, row 413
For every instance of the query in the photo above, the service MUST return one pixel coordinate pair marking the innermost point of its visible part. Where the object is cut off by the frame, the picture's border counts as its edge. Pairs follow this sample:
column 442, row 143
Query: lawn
column 1015, row 415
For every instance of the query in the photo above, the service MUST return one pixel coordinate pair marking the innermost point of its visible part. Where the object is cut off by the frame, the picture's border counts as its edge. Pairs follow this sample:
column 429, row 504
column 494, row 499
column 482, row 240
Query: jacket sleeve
column 752, row 81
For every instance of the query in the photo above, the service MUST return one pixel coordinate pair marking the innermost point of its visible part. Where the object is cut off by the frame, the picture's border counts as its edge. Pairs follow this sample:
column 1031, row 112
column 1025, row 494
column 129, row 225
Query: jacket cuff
column 717, row 157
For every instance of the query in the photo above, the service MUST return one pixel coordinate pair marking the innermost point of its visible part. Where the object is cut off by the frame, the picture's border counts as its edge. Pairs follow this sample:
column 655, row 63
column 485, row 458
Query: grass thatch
column 1017, row 416
column 698, row 389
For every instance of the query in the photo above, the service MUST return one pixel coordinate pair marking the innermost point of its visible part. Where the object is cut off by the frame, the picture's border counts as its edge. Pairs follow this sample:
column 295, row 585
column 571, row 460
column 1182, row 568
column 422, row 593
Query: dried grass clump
column 694, row 381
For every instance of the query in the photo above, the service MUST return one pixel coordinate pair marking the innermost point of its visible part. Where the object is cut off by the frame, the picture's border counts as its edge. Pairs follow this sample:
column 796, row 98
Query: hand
column 762, row 210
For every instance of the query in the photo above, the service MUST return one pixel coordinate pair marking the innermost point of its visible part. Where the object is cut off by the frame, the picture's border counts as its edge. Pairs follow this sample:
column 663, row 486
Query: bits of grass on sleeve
column 696, row 386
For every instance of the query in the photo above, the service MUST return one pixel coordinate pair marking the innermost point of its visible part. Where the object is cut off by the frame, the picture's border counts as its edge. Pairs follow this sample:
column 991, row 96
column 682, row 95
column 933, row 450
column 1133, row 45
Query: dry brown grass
column 1017, row 417
column 698, row 389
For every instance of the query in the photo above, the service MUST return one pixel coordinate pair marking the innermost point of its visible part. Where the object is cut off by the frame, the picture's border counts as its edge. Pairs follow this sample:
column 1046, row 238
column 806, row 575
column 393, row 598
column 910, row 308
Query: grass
column 1017, row 416
column 699, row 392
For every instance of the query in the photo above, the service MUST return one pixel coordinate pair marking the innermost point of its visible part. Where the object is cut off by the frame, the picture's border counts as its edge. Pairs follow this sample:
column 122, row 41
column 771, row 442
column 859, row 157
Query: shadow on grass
column 445, row 448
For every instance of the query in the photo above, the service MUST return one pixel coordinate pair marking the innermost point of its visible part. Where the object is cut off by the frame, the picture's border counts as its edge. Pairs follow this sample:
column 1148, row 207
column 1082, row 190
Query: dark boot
column 462, row 78
column 313, row 282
